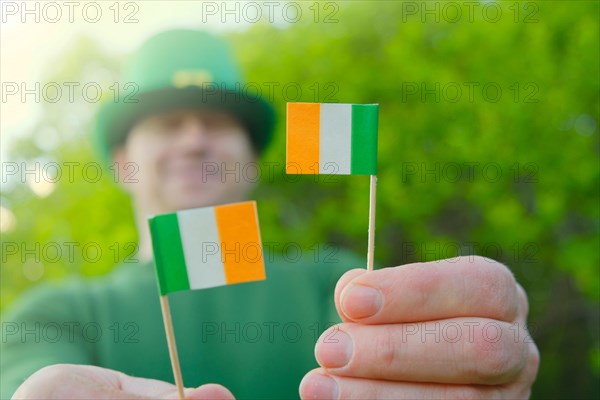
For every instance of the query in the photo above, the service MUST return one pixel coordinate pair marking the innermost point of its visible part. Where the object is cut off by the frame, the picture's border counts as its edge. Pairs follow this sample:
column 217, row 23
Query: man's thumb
column 209, row 391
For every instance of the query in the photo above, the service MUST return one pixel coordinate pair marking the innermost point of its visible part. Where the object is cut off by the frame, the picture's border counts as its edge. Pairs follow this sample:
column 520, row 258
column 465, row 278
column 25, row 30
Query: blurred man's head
column 184, row 119
column 183, row 158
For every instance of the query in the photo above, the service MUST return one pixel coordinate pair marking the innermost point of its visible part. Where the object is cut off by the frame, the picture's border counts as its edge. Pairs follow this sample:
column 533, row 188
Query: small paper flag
column 328, row 138
column 207, row 247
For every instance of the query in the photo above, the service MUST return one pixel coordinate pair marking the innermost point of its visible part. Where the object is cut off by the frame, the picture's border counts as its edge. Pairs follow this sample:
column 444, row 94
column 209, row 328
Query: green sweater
column 257, row 339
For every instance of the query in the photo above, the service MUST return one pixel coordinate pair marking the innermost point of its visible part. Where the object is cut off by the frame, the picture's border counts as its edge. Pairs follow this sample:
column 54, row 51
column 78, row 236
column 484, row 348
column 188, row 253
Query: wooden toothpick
column 166, row 311
column 371, row 242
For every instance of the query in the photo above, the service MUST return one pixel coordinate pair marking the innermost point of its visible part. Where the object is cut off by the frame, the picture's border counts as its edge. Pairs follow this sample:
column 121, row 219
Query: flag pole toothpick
column 371, row 242
column 166, row 311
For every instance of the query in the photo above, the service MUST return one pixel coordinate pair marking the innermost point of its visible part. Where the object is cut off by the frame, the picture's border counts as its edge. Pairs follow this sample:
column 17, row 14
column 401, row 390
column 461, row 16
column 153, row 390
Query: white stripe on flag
column 201, row 248
column 335, row 138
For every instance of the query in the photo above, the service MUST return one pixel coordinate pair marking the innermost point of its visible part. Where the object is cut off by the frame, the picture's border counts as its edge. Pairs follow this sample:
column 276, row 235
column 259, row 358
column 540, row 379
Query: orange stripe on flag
column 241, row 252
column 302, row 150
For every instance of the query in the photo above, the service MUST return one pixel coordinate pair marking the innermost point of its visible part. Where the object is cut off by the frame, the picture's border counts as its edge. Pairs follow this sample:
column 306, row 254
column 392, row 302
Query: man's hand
column 66, row 381
column 444, row 329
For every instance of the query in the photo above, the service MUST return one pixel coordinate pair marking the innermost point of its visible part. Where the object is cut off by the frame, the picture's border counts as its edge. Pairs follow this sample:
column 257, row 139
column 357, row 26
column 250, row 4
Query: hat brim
column 115, row 119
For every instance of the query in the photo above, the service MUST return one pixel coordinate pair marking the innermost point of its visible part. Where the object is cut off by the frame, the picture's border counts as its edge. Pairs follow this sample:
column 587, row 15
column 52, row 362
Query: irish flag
column 207, row 247
column 327, row 138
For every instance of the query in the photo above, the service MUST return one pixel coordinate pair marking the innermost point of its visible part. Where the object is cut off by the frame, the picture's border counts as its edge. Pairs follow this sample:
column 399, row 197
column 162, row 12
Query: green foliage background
column 541, row 217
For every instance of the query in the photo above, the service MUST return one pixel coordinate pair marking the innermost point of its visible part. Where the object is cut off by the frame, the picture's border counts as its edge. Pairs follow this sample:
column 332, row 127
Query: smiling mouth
column 195, row 175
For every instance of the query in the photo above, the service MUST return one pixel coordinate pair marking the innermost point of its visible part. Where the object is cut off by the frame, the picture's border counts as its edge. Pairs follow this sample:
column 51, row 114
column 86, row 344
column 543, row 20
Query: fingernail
column 359, row 301
column 334, row 348
column 318, row 386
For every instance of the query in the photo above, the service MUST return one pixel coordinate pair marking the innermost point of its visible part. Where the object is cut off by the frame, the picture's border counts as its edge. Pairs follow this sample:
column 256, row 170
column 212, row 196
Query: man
column 445, row 329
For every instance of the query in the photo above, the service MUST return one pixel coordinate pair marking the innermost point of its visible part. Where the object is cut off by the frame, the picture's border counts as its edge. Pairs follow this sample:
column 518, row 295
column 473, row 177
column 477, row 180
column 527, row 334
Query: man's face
column 181, row 159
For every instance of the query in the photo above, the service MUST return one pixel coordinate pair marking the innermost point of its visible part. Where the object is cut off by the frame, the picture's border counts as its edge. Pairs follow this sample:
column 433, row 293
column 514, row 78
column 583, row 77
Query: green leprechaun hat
column 181, row 69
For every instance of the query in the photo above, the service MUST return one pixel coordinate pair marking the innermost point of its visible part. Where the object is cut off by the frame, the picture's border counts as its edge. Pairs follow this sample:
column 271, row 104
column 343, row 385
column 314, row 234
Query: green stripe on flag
column 364, row 139
column 169, row 259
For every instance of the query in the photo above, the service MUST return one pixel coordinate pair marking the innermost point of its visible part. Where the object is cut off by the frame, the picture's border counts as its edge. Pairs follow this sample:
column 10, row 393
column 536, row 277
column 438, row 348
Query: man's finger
column 469, row 286
column 159, row 389
column 151, row 388
column 523, row 304
column 457, row 351
column 209, row 391
column 345, row 280
column 66, row 381
column 317, row 384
